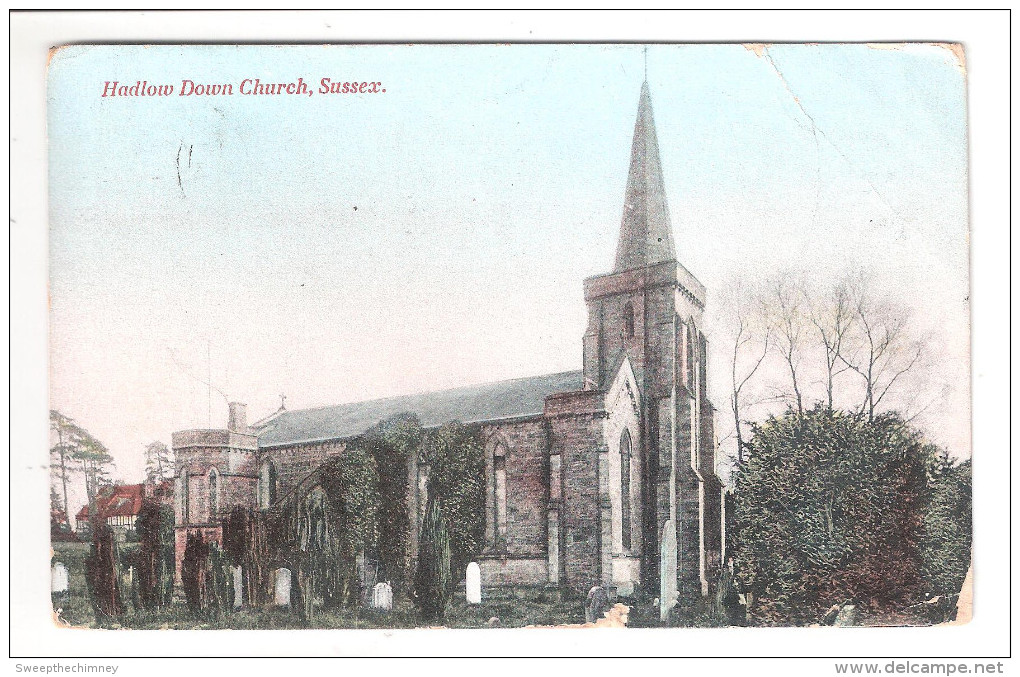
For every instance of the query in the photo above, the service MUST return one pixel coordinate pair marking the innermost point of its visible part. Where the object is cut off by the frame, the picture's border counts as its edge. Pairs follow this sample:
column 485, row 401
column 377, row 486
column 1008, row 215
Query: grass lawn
column 514, row 608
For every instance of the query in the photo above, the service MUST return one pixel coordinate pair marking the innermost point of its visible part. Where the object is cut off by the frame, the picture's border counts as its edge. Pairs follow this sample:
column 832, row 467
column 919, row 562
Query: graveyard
column 502, row 607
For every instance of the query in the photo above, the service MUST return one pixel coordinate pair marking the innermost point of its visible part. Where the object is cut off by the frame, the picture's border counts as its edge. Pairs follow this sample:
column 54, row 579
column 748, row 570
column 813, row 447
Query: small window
column 628, row 320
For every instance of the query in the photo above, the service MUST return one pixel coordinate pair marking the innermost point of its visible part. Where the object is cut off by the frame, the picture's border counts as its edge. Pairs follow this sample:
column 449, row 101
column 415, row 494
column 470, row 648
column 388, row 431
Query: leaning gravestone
column 473, row 584
column 382, row 596
column 238, row 586
column 281, row 596
column 58, row 579
column 597, row 604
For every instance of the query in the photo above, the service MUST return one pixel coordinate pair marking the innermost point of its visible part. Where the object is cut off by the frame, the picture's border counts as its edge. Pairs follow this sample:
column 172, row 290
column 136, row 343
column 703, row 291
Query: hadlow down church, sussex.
column 603, row 476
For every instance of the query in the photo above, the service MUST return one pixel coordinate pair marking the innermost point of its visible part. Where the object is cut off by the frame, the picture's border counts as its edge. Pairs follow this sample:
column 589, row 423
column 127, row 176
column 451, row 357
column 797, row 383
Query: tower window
column 628, row 320
column 625, row 494
column 214, row 495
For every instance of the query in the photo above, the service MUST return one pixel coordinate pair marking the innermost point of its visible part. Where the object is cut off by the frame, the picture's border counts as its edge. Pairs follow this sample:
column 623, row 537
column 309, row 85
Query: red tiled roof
column 117, row 501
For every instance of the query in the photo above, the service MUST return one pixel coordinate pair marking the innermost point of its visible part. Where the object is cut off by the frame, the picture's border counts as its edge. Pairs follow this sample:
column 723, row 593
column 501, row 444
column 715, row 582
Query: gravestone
column 281, row 595
column 667, row 570
column 596, row 605
column 382, row 596
column 58, row 579
column 238, row 586
column 473, row 584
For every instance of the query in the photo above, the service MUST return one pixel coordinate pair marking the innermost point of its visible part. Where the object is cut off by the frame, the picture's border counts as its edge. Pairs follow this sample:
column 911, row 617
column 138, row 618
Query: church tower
column 646, row 315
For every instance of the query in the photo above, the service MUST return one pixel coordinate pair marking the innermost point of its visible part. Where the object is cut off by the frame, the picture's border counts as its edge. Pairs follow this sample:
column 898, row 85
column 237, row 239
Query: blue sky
column 488, row 182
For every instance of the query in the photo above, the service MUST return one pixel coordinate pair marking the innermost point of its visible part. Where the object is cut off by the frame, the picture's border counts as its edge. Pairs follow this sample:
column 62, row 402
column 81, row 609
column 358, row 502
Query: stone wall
column 527, row 484
column 576, row 431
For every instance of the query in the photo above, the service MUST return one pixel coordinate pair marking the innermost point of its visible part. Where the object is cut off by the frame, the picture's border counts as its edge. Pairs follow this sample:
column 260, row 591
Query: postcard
column 509, row 335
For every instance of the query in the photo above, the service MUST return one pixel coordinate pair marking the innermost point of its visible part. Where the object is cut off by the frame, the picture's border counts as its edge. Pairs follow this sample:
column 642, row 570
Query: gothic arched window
column 214, row 495
column 628, row 320
column 499, row 495
column 625, row 491
column 267, row 485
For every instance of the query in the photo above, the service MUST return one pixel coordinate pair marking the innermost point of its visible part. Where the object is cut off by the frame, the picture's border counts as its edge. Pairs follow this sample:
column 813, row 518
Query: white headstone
column 282, row 591
column 382, row 596
column 473, row 583
column 58, row 577
column 667, row 570
column 238, row 587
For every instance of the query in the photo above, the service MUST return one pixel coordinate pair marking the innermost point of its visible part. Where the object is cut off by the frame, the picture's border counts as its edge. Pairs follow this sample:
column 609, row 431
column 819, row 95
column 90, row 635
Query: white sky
column 488, row 182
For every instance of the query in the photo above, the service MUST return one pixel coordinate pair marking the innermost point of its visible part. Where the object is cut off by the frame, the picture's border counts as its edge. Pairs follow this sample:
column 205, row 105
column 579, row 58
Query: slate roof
column 471, row 404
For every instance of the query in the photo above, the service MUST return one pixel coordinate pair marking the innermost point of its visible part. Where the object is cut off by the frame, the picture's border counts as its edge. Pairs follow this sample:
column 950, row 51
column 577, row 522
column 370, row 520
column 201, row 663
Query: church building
column 603, row 476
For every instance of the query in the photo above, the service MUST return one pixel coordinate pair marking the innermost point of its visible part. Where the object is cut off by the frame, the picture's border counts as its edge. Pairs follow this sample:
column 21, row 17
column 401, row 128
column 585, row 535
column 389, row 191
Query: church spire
column 646, row 234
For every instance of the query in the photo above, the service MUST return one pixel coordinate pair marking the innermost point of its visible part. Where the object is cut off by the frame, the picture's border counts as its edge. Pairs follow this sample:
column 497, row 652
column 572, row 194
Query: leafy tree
column 456, row 457
column 159, row 463
column 830, row 507
column 96, row 463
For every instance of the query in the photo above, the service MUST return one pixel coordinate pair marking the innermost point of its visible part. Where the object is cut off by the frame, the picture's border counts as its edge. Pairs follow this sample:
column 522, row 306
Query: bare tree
column 786, row 301
column 833, row 317
column 882, row 349
column 749, row 337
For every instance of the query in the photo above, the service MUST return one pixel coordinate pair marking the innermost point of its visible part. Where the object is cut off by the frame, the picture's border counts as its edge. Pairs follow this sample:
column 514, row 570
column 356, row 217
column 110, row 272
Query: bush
column 834, row 508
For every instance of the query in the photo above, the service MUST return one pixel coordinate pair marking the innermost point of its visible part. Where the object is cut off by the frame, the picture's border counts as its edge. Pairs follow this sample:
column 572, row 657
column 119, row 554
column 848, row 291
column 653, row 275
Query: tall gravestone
column 473, row 584
column 667, row 570
column 238, row 586
column 281, row 592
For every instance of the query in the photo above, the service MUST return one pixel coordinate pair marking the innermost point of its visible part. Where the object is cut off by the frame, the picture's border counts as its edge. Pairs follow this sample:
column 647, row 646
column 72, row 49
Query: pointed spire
column 646, row 234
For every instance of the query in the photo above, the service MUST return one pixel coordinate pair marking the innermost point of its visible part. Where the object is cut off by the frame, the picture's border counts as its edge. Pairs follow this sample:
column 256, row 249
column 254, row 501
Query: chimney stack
column 238, row 419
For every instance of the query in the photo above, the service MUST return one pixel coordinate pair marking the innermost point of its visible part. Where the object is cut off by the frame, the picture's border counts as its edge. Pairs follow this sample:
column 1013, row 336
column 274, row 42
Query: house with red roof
column 119, row 505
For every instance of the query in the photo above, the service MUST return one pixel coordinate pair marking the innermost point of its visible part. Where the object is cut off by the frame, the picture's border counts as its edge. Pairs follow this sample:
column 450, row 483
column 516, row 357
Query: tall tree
column 66, row 435
column 882, row 349
column 159, row 463
column 786, row 301
column 96, row 463
column 832, row 316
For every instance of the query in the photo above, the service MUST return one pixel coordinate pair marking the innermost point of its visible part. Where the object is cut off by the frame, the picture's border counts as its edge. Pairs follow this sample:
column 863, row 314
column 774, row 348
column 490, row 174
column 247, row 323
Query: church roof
column 470, row 404
column 646, row 234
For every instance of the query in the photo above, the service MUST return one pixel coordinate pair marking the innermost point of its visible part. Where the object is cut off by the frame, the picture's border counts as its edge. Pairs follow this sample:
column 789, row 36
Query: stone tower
column 648, row 312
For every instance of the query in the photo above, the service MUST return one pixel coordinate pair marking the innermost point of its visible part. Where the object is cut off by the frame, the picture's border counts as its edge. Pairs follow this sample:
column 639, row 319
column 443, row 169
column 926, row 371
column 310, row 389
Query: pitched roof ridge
column 428, row 392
